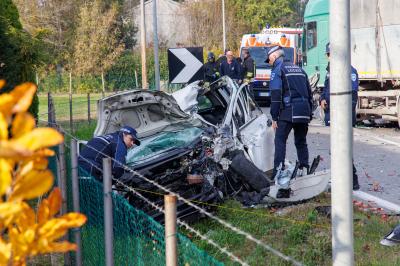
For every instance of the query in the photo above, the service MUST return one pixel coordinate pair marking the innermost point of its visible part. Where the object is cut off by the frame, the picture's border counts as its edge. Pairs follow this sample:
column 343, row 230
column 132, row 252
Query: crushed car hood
column 149, row 112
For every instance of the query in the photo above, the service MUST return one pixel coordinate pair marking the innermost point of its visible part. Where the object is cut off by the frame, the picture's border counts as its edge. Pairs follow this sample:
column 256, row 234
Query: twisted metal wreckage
column 206, row 143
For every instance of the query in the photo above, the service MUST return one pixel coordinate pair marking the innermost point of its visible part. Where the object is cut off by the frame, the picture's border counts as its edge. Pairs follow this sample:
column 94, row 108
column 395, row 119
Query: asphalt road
column 376, row 156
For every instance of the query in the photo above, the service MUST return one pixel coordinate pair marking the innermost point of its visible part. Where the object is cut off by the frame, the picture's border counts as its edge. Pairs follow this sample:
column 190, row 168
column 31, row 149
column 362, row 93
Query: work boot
column 356, row 185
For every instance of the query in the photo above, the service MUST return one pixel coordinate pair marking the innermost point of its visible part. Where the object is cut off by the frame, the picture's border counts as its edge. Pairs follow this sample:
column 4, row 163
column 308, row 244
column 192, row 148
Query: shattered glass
column 165, row 141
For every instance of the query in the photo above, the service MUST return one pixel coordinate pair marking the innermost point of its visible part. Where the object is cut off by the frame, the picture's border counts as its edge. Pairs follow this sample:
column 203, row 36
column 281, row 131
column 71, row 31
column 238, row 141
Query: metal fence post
column 70, row 113
column 51, row 116
column 88, row 106
column 170, row 230
column 108, row 212
column 103, row 83
column 62, row 184
column 136, row 79
column 75, row 198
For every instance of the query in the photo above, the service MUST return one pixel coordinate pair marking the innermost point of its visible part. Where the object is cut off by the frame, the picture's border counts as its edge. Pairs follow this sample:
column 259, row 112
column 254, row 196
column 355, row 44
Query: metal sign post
column 156, row 59
column 341, row 134
column 143, row 44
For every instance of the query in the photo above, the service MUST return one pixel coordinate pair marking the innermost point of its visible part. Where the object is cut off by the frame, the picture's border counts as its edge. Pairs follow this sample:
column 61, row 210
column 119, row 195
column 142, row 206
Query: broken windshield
column 154, row 146
column 259, row 54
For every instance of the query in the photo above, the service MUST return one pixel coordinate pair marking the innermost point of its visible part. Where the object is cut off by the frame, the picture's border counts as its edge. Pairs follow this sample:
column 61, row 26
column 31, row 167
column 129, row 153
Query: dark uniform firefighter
column 211, row 68
column 325, row 104
column 291, row 106
column 247, row 65
column 114, row 145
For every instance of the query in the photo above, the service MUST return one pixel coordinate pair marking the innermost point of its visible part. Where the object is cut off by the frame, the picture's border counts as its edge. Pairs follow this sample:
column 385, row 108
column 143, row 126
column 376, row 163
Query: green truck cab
column 315, row 38
column 375, row 53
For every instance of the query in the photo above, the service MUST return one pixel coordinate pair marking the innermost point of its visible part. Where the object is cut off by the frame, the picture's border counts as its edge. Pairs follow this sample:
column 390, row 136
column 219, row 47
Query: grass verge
column 298, row 231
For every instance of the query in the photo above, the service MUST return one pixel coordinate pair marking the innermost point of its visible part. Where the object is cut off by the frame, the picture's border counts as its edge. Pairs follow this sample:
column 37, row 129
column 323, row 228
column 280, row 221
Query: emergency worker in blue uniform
column 291, row 107
column 114, row 145
column 325, row 104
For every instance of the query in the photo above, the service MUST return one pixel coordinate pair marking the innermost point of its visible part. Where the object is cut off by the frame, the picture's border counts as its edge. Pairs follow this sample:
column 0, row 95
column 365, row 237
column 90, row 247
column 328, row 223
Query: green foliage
column 20, row 53
column 10, row 12
column 96, row 44
column 254, row 13
column 242, row 17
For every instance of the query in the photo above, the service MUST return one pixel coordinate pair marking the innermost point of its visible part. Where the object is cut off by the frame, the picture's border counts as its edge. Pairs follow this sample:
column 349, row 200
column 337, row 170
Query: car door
column 256, row 133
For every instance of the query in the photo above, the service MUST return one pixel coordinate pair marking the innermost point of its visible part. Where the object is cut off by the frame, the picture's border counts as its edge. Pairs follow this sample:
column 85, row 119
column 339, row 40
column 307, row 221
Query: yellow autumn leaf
column 57, row 227
column 3, row 127
column 6, row 104
column 24, row 169
column 11, row 149
column 40, row 138
column 63, row 246
column 5, row 250
column 5, row 176
column 38, row 157
column 22, row 124
column 19, row 246
column 32, row 185
column 2, row 83
column 43, row 212
column 9, row 211
column 23, row 94
column 55, row 201
column 40, row 163
column 27, row 219
column 43, row 153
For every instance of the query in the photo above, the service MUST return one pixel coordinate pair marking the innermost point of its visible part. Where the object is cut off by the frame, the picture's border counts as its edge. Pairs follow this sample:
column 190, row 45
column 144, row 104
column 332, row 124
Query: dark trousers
column 300, row 140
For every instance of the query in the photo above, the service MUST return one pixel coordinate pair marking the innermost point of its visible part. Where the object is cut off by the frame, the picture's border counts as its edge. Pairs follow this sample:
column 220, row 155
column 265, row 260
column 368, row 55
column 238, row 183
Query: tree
column 242, row 16
column 96, row 43
column 55, row 20
column 20, row 52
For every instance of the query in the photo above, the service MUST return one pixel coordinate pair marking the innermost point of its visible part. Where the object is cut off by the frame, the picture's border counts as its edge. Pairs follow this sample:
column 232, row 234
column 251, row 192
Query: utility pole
column 156, row 59
column 143, row 44
column 223, row 25
column 341, row 134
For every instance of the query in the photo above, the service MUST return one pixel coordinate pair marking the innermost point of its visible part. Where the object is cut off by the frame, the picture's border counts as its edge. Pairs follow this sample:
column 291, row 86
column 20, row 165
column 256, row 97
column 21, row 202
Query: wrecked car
column 205, row 143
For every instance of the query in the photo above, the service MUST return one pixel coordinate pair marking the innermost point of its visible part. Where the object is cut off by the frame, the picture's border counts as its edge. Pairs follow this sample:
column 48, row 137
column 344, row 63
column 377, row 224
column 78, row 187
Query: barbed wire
column 222, row 222
column 191, row 229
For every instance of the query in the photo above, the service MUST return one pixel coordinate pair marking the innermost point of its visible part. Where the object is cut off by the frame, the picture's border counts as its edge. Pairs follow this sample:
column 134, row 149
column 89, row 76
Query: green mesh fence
column 138, row 239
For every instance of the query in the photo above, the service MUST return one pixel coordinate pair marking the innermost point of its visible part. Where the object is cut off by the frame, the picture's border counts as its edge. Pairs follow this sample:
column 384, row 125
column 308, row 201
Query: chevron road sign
column 185, row 64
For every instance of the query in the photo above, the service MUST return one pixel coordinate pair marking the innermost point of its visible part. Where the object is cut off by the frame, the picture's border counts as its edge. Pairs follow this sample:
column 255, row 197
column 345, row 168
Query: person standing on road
column 231, row 67
column 247, row 65
column 114, row 145
column 211, row 68
column 325, row 102
column 291, row 108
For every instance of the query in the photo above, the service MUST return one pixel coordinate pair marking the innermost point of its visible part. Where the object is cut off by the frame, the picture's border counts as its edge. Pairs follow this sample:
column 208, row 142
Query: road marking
column 380, row 202
column 387, row 141
column 377, row 138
